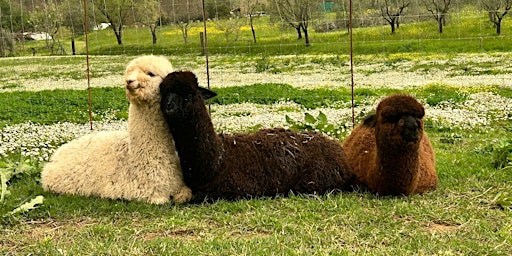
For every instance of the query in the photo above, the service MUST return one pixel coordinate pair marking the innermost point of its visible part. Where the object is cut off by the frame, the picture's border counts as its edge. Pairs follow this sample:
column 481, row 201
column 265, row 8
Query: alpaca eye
column 151, row 74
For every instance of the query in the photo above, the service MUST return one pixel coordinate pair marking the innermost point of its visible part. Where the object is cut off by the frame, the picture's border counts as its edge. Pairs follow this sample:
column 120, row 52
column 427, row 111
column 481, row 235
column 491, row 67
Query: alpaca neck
column 147, row 130
column 199, row 148
column 397, row 170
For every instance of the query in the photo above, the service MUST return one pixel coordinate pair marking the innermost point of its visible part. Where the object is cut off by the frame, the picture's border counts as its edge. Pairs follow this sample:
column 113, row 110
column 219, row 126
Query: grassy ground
column 469, row 213
column 468, row 30
column 463, row 216
column 468, row 99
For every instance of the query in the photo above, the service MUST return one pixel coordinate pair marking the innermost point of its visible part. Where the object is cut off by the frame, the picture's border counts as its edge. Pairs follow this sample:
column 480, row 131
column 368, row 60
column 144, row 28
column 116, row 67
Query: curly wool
column 268, row 162
column 389, row 152
column 140, row 164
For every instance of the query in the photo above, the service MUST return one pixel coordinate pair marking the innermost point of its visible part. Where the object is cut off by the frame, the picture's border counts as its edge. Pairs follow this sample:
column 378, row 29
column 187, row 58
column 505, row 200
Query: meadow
column 468, row 101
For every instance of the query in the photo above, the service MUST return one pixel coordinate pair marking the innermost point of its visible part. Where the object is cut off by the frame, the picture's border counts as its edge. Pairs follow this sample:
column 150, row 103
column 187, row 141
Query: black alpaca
column 269, row 162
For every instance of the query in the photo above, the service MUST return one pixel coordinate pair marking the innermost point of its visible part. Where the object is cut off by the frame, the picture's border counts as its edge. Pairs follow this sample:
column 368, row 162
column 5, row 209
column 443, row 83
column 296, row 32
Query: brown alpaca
column 389, row 153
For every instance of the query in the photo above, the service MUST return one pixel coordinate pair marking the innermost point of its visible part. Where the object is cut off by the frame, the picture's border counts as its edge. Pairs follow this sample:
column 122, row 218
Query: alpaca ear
column 206, row 94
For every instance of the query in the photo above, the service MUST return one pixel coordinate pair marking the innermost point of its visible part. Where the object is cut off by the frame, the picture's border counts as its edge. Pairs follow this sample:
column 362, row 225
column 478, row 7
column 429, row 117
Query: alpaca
column 268, row 162
column 139, row 164
column 389, row 153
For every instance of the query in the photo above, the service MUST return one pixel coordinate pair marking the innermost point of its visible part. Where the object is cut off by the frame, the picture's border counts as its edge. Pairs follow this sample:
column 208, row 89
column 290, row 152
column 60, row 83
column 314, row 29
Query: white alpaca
column 140, row 164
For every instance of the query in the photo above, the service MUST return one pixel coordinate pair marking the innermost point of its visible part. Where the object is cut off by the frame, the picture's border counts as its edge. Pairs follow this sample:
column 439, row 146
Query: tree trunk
column 118, row 37
column 184, row 33
column 252, row 28
column 440, row 25
column 498, row 27
column 73, row 50
column 299, row 33
column 392, row 24
column 306, row 36
column 119, row 34
column 152, row 27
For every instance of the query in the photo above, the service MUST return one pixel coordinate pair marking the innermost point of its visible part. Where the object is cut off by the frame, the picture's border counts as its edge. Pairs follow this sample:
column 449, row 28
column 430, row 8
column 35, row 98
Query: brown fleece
column 389, row 152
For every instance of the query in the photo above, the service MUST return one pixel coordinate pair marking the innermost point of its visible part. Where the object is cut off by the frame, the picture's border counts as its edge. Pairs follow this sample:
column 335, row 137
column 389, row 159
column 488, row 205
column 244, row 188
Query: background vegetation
column 251, row 26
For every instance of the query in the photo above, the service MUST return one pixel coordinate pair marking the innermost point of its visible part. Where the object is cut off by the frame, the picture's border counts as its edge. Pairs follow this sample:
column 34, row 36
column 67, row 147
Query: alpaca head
column 182, row 98
column 143, row 76
column 399, row 122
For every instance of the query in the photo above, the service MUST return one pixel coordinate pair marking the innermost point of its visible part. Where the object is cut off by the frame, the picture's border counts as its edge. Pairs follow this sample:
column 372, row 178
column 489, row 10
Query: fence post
column 201, row 37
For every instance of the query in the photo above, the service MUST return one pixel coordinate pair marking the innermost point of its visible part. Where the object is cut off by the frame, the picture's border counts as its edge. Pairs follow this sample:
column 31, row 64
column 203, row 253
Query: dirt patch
column 441, row 228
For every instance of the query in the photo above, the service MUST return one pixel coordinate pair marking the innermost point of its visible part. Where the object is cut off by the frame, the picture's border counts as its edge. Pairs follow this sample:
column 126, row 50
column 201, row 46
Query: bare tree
column 114, row 12
column 252, row 8
column 148, row 14
column 341, row 8
column 230, row 28
column 47, row 19
column 497, row 9
column 297, row 13
column 391, row 10
column 439, row 10
column 183, row 13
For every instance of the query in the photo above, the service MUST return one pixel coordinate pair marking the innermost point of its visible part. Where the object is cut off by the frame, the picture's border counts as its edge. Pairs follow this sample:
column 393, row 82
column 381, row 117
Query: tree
column 497, row 9
column 230, row 28
column 252, row 8
column 115, row 13
column 439, row 10
column 341, row 7
column 14, row 16
column 47, row 19
column 296, row 13
column 6, row 43
column 149, row 12
column 391, row 10
column 183, row 13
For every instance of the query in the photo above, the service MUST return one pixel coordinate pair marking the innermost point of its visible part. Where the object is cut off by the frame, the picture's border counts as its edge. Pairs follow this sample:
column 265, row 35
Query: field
column 468, row 100
column 468, row 120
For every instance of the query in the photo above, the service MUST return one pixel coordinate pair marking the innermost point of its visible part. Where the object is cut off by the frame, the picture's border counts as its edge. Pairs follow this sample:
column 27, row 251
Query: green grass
column 45, row 107
column 469, row 213
column 468, row 31
column 461, row 217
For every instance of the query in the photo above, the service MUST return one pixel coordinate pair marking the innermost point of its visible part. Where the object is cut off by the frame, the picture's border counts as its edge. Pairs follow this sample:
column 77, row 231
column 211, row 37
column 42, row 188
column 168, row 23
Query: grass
column 45, row 107
column 468, row 214
column 460, row 217
column 467, row 31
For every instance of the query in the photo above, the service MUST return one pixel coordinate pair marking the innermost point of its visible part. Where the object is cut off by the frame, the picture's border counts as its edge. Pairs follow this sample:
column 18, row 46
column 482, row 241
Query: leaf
column 28, row 206
column 6, row 174
column 329, row 128
column 322, row 118
column 290, row 120
column 308, row 118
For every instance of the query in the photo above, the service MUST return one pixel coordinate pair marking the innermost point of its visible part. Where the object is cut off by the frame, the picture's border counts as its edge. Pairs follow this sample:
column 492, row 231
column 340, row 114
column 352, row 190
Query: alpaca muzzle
column 170, row 107
column 410, row 130
column 132, row 85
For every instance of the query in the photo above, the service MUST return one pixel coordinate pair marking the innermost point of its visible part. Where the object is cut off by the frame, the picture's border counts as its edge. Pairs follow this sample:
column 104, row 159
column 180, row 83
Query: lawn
column 468, row 98
column 463, row 78
column 468, row 30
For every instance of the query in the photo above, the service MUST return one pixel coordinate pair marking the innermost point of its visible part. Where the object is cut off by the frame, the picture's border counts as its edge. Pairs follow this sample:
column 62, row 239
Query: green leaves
column 318, row 124
column 9, row 170
column 502, row 153
column 29, row 205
